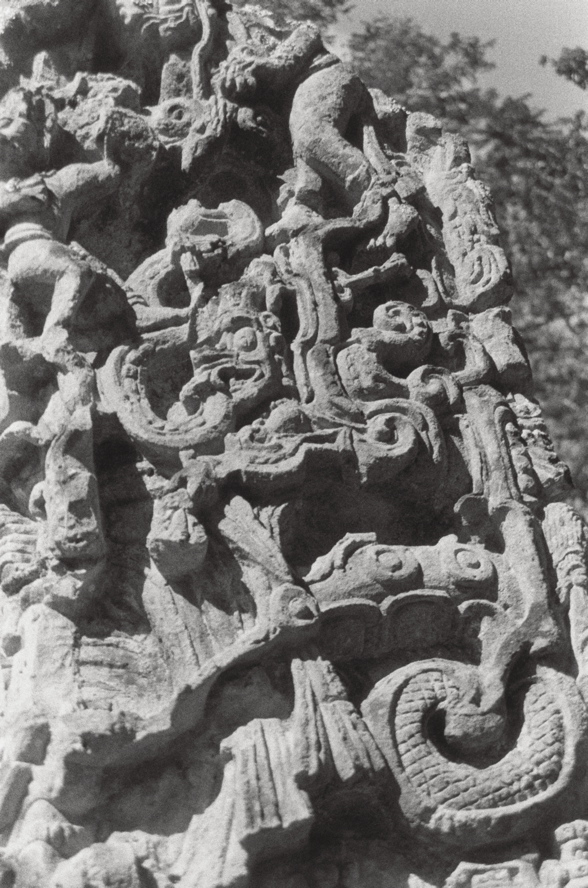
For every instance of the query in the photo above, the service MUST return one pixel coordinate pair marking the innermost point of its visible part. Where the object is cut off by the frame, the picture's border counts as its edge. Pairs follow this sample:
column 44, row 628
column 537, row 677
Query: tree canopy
column 571, row 64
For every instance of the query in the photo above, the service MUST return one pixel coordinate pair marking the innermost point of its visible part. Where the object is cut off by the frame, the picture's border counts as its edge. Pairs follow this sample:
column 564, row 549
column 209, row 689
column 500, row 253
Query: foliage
column 395, row 55
column 571, row 64
column 538, row 172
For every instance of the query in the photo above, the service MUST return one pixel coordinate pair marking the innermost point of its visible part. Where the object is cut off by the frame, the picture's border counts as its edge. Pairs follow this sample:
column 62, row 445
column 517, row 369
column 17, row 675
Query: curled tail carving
column 476, row 804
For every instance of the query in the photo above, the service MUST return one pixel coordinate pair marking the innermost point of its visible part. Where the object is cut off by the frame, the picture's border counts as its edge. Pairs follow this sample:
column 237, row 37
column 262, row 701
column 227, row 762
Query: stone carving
column 290, row 597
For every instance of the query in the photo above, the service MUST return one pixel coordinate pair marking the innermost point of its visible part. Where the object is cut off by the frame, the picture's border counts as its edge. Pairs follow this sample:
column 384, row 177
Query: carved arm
column 80, row 185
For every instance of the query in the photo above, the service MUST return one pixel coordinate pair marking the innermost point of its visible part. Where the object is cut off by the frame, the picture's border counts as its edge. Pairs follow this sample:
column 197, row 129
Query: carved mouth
column 222, row 372
column 235, row 378
column 83, row 544
column 210, row 378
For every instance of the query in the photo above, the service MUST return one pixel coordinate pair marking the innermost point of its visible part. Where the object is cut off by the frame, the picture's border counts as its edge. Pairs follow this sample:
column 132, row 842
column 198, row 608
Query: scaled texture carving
column 291, row 597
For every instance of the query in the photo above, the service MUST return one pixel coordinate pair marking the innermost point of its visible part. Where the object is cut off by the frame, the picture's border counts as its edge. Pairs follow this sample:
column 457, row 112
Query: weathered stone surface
column 290, row 595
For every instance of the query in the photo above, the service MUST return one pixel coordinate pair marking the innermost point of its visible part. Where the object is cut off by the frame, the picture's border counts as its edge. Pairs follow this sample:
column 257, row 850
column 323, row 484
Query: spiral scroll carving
column 477, row 803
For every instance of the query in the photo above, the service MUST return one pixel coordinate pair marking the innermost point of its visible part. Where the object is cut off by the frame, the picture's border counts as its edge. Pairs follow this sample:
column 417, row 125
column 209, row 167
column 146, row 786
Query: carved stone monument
column 290, row 594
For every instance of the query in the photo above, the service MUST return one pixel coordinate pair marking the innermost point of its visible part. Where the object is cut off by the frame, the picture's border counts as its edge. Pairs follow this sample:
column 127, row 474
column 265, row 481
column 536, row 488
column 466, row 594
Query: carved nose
column 179, row 525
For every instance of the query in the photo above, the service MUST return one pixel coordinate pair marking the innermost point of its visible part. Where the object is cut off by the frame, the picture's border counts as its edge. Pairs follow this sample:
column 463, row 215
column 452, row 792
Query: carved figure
column 36, row 211
column 201, row 245
column 400, row 339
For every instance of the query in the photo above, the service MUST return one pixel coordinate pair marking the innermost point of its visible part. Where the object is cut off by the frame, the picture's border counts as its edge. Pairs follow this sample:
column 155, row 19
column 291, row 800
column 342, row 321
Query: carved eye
column 245, row 339
column 467, row 566
column 383, row 429
column 176, row 112
column 467, row 559
column 396, row 317
column 390, row 560
column 396, row 564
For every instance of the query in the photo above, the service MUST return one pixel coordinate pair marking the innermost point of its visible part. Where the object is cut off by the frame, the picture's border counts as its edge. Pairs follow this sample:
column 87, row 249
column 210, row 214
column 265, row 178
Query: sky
column 523, row 29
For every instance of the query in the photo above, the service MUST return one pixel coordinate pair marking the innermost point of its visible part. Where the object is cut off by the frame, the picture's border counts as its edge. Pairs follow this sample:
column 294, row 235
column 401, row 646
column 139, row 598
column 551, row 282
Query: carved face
column 73, row 519
column 245, row 358
column 71, row 502
column 19, row 138
column 173, row 118
column 407, row 332
column 177, row 542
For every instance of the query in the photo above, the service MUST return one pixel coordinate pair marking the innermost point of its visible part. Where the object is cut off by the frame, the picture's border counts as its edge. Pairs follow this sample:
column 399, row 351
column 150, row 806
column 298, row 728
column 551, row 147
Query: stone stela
column 291, row 594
